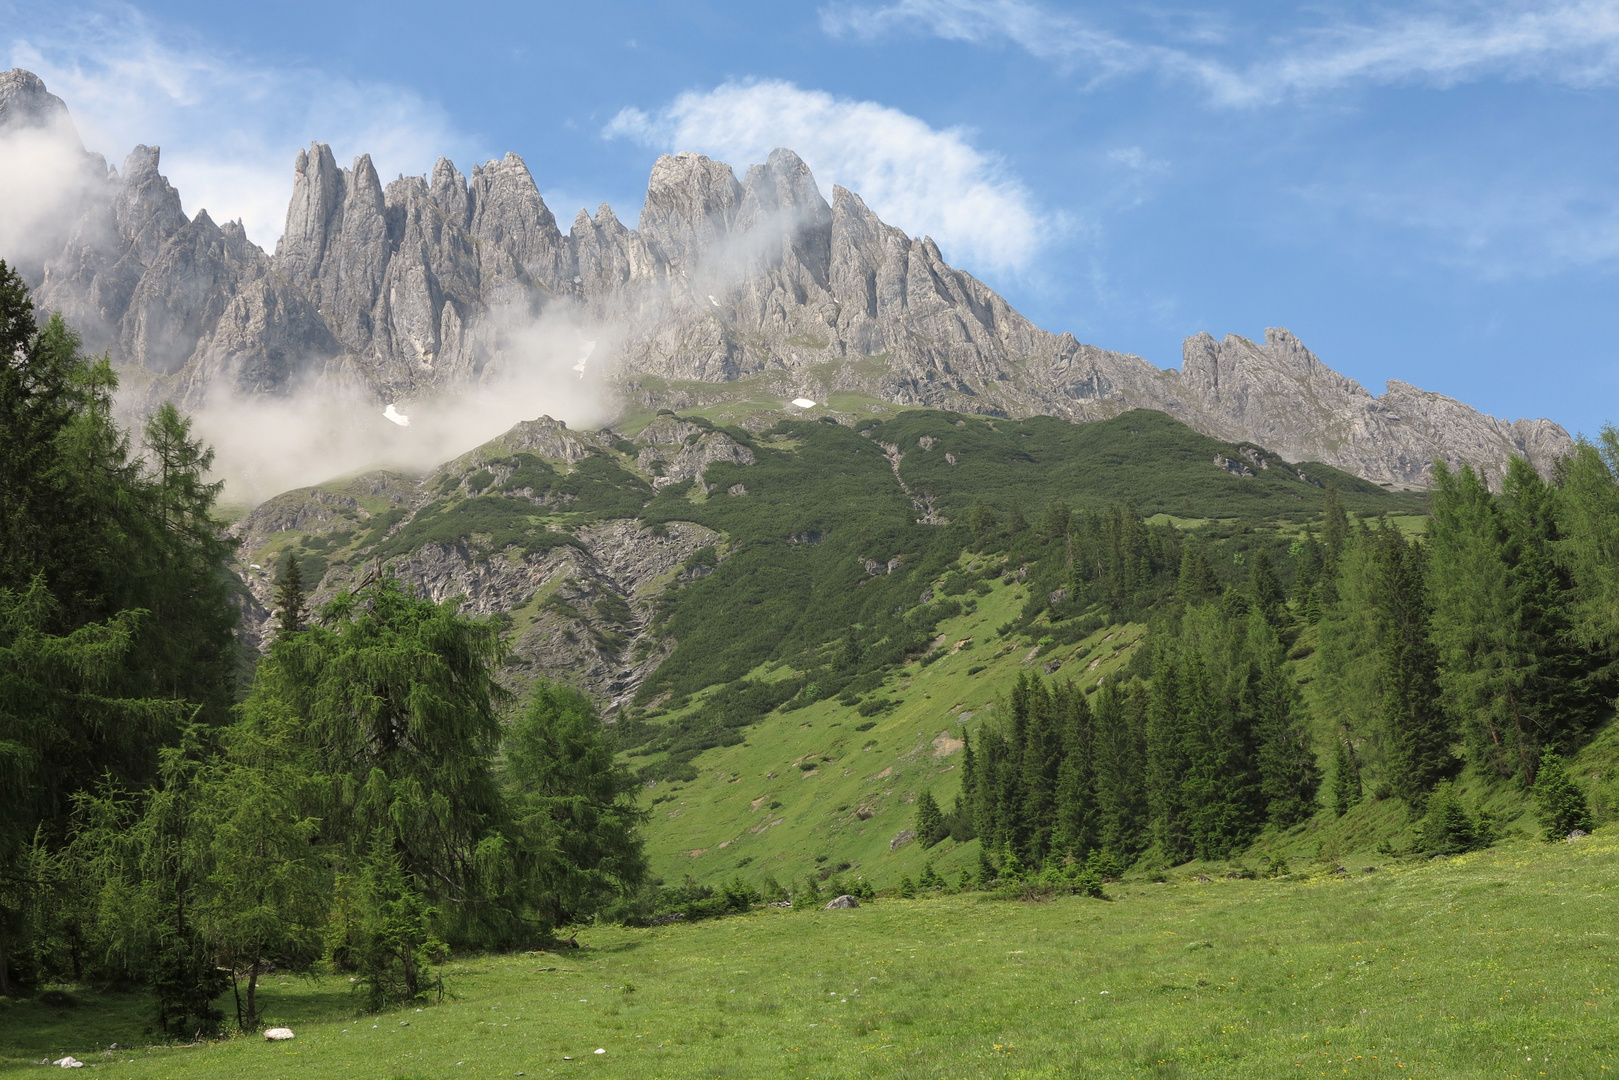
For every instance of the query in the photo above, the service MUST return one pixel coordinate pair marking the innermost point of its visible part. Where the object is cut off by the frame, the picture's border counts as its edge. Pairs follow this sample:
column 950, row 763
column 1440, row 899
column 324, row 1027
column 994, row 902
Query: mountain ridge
column 414, row 288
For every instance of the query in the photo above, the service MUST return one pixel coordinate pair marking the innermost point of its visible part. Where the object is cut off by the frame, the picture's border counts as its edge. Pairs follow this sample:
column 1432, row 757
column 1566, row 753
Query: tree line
column 1490, row 644
column 178, row 815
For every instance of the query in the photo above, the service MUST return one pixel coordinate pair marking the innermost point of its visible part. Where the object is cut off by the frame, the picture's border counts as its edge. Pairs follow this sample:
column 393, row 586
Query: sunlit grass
column 1499, row 963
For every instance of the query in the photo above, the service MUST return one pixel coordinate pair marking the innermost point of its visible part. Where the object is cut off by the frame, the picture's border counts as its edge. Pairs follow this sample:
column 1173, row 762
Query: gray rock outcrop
column 727, row 289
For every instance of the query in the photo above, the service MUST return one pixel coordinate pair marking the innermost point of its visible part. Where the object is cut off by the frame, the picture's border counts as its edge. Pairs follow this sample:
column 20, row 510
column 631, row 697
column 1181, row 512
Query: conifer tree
column 1042, row 760
column 1289, row 775
column 1075, row 828
column 1562, row 804
column 1197, row 582
column 1166, row 757
column 1418, row 733
column 291, row 607
column 1334, row 533
column 929, row 820
column 1120, row 743
column 1264, row 590
column 1346, row 790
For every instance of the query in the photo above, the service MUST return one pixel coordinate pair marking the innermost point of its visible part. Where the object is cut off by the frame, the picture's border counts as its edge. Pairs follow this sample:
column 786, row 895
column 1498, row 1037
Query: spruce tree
column 1042, row 761
column 1196, row 582
column 929, row 820
column 1562, row 804
column 1120, row 755
column 1346, row 790
column 1289, row 775
column 1264, row 590
column 1589, row 548
column 1416, row 729
column 291, row 607
column 1075, row 830
column 1166, row 755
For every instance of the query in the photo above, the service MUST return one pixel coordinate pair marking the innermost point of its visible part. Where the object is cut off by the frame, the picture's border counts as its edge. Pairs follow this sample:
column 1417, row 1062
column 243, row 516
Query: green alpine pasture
column 1501, row 963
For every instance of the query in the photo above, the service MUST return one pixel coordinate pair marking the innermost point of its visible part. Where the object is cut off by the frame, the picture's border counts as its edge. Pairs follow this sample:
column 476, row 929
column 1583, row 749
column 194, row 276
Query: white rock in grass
column 69, row 1063
column 803, row 403
column 601, row 1050
column 277, row 1034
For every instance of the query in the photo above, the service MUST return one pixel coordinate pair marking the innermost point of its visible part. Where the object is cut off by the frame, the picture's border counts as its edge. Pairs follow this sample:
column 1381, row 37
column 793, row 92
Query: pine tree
column 1562, row 804
column 291, row 608
column 1447, row 828
column 1041, row 761
column 1334, row 533
column 1123, row 820
column 1589, row 519
column 574, row 819
column 1075, row 830
column 929, row 878
column 1488, row 661
column 1264, row 590
column 1289, row 775
column 929, row 820
column 1166, row 755
column 1346, row 790
column 1414, row 723
column 1197, row 582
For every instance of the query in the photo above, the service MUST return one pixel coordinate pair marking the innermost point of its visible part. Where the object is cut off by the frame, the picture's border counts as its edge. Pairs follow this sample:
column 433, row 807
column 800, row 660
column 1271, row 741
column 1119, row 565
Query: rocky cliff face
column 724, row 288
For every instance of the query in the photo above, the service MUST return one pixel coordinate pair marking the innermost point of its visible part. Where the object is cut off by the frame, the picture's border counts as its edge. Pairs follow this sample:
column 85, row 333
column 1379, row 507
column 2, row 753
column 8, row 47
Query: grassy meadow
column 1497, row 964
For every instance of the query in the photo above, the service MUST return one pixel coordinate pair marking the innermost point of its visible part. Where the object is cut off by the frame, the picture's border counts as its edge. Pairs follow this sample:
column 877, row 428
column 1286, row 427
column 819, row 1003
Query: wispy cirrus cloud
column 919, row 178
column 229, row 127
column 1572, row 42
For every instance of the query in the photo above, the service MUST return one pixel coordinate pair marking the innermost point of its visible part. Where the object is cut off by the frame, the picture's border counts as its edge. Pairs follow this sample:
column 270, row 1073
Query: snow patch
column 391, row 413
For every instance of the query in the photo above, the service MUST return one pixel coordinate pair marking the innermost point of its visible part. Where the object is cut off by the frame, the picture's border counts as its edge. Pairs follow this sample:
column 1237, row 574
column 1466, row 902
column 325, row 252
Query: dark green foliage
column 1346, row 790
column 492, row 522
column 1417, row 730
column 115, row 617
column 907, row 888
column 930, row 826
column 291, row 607
column 397, row 701
column 1197, row 582
column 1140, row 456
column 1562, row 804
column 1447, row 828
column 390, row 936
column 929, row 879
column 572, row 808
column 1289, row 775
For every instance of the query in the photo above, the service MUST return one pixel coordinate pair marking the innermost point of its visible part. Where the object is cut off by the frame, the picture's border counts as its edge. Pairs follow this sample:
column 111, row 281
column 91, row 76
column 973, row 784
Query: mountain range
column 756, row 289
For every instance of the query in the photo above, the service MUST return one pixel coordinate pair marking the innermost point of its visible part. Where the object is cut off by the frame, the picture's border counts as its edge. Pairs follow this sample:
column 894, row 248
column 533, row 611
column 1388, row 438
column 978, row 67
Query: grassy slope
column 1497, row 964
column 709, row 826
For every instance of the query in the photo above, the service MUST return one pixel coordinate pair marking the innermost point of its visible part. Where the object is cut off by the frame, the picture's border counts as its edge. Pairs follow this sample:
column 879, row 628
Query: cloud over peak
column 916, row 177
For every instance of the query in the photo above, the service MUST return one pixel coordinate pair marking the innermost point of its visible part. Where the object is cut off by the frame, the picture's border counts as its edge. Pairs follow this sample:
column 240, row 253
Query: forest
column 182, row 815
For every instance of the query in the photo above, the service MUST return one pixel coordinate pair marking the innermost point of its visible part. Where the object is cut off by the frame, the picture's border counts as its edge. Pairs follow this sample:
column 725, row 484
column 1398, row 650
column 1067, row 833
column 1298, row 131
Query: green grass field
column 1496, row 964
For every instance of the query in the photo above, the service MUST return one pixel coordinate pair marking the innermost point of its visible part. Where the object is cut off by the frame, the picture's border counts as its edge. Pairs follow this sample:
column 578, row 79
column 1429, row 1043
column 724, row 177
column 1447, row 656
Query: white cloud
column 1575, row 42
column 912, row 175
column 229, row 128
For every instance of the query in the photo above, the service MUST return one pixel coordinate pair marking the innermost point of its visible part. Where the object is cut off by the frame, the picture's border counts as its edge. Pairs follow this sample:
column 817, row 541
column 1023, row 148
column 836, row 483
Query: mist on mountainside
column 327, row 426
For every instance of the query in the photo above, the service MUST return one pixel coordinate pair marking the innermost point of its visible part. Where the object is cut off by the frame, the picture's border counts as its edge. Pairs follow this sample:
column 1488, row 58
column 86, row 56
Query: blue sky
column 1427, row 191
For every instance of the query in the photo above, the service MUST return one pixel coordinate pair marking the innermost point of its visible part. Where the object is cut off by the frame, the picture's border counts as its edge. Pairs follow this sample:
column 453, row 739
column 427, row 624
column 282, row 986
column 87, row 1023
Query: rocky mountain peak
column 408, row 290
column 26, row 103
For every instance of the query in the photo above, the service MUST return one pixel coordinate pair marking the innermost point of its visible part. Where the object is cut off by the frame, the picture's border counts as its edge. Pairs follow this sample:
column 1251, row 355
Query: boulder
column 844, row 901
column 278, row 1034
